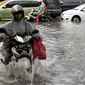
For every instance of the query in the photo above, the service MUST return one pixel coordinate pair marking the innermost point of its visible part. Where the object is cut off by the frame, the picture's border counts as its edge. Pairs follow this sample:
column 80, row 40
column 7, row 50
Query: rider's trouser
column 6, row 52
column 37, row 17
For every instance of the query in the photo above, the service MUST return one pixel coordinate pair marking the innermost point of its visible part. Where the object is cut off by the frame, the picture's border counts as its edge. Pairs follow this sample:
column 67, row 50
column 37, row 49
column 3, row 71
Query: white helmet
column 16, row 8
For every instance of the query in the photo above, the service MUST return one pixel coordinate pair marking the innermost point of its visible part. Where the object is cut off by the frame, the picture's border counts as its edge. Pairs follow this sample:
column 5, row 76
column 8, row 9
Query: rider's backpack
column 39, row 50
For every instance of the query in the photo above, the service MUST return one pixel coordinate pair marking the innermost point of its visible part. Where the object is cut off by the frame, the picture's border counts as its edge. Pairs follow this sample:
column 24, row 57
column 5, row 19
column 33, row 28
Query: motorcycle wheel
column 45, row 18
column 48, row 18
column 25, row 18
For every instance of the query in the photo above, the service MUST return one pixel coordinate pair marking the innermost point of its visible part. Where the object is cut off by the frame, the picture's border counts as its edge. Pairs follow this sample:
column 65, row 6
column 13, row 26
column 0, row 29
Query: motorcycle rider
column 41, row 10
column 16, row 26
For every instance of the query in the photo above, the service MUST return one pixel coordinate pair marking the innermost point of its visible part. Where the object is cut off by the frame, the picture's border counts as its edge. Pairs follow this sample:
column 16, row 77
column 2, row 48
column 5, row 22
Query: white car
column 76, row 14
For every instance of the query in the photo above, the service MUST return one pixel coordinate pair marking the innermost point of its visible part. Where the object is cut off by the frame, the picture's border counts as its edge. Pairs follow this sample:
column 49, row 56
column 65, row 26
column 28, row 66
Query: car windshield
column 79, row 7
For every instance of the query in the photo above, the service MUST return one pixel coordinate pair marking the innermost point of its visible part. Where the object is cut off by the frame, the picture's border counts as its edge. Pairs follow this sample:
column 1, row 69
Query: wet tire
column 76, row 19
column 48, row 19
column 45, row 18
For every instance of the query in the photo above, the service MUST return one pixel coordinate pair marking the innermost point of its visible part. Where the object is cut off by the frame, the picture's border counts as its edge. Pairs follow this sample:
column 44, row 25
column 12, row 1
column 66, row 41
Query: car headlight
column 62, row 14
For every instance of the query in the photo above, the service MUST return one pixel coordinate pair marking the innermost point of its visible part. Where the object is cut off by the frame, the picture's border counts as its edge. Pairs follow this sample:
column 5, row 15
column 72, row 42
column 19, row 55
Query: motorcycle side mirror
column 35, row 31
column 2, row 30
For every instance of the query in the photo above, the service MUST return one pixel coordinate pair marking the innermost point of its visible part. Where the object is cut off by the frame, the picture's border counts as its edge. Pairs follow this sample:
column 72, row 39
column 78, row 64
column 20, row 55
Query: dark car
column 69, row 4
column 53, row 7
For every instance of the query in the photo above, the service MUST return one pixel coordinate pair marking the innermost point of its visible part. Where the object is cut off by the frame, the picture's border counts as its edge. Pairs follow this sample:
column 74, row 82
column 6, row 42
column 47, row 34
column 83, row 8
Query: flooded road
column 65, row 63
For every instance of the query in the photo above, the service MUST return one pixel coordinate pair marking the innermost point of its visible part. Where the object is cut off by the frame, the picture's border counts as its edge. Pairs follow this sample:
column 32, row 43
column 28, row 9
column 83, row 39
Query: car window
column 23, row 4
column 28, row 3
column 34, row 3
column 50, row 1
column 53, row 4
column 80, row 7
column 67, row 2
column 83, row 1
column 10, row 4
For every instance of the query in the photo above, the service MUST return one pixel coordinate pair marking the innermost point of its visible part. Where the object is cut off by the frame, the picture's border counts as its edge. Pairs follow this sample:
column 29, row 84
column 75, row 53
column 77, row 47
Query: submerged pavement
column 65, row 43
column 65, row 46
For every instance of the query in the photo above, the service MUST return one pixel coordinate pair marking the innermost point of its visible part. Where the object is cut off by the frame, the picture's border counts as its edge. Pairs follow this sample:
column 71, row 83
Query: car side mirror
column 2, row 30
column 61, row 2
column 83, row 10
column 4, row 7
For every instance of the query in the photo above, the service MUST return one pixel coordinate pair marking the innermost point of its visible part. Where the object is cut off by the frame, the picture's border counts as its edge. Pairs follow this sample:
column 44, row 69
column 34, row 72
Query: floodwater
column 65, row 47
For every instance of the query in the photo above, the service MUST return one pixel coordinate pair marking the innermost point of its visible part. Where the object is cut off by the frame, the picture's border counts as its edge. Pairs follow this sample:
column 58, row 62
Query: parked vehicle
column 5, row 9
column 69, row 4
column 76, row 14
column 32, row 16
column 53, row 7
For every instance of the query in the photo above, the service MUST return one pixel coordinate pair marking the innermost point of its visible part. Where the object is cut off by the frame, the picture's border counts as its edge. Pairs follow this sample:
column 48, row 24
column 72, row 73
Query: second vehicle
column 32, row 16
column 5, row 9
column 76, row 14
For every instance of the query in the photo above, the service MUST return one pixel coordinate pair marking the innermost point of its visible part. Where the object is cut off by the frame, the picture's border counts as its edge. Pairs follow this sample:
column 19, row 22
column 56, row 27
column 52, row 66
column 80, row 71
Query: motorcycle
column 22, row 60
column 32, row 16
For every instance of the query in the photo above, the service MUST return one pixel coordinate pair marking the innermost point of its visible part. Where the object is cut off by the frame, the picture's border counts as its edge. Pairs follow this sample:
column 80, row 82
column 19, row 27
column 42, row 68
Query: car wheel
column 53, row 16
column 25, row 18
column 76, row 19
column 48, row 18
